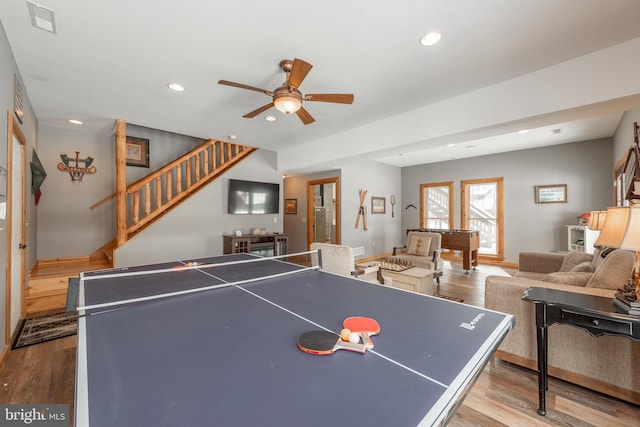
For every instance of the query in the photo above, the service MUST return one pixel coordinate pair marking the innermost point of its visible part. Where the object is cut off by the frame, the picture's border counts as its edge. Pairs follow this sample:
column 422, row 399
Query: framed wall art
column 551, row 193
column 378, row 205
column 291, row 206
column 137, row 152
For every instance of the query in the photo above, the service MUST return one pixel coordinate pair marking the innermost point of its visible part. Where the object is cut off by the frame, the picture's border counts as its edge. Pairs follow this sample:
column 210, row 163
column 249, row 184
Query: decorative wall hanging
column 551, row 193
column 291, row 206
column 76, row 167
column 362, row 212
column 38, row 175
column 137, row 152
column 392, row 199
column 378, row 205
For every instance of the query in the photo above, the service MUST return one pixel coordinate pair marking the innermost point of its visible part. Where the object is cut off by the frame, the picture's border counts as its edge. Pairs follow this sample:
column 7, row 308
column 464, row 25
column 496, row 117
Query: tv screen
column 250, row 197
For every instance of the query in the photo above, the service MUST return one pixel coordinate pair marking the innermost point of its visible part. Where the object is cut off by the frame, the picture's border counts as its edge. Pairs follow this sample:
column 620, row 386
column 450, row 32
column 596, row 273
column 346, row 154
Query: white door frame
column 15, row 248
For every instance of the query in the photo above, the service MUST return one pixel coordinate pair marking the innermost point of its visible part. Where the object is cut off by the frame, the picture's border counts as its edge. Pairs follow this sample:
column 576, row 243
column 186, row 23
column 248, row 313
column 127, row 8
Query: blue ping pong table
column 227, row 356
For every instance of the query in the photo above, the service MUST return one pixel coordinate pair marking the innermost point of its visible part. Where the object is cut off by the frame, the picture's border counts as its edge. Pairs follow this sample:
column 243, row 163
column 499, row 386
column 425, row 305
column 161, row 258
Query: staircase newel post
column 121, row 182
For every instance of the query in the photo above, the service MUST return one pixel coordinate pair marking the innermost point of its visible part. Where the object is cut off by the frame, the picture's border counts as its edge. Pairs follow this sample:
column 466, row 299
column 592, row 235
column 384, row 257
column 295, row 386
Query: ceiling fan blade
column 341, row 98
column 305, row 116
column 242, row 86
column 299, row 71
column 258, row 111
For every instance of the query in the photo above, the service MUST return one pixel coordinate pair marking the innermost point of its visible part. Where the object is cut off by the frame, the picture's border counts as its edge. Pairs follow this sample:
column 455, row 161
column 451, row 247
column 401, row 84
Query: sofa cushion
column 577, row 278
column 584, row 267
column 574, row 258
column 419, row 245
column 614, row 271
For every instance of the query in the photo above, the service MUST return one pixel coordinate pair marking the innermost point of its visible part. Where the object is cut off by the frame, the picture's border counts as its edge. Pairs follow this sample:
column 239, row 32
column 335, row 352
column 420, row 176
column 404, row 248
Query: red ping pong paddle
column 325, row 342
column 365, row 326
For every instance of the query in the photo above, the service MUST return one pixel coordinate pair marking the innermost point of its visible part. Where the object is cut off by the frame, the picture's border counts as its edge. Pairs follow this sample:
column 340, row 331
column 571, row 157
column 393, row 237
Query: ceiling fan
column 287, row 98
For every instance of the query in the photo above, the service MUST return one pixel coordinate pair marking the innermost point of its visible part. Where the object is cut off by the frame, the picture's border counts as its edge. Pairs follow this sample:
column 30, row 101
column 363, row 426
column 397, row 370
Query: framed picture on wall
column 137, row 152
column 551, row 193
column 291, row 206
column 378, row 205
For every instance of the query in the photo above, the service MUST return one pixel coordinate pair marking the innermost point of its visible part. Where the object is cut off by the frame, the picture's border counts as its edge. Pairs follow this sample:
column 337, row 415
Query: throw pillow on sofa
column 573, row 278
column 614, row 271
column 585, row 267
column 574, row 258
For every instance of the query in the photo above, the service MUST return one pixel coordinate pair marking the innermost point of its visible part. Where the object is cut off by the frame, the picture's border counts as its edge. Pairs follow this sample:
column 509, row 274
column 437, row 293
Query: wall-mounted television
column 251, row 197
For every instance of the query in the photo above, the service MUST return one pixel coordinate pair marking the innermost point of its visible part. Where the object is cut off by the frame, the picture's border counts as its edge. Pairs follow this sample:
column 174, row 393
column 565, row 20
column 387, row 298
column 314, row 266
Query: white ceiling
column 113, row 59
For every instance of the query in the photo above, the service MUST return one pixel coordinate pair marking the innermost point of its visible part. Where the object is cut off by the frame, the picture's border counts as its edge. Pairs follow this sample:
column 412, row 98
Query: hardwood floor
column 504, row 395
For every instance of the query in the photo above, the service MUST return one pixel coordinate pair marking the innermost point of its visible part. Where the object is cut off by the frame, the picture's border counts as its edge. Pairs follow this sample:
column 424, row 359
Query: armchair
column 422, row 249
column 339, row 259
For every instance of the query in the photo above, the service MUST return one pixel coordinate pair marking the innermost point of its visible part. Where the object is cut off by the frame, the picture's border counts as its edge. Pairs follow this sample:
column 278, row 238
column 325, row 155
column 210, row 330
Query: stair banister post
column 121, row 182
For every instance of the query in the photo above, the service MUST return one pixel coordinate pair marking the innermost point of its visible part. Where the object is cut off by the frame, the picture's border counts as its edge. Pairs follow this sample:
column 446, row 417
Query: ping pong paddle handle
column 366, row 340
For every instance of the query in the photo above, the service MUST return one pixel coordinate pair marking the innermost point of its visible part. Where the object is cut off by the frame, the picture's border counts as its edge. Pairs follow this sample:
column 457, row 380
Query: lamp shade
column 621, row 229
column 596, row 220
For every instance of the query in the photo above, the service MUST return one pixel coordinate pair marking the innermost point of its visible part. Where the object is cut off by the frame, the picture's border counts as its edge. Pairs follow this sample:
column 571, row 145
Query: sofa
column 607, row 364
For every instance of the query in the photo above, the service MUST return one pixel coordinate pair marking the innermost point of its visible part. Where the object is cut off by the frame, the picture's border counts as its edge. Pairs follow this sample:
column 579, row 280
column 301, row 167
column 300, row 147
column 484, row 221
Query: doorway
column 323, row 211
column 15, row 228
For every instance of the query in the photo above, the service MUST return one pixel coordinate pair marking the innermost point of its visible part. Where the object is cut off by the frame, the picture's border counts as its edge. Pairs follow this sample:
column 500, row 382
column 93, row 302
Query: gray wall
column 378, row 179
column 67, row 226
column 586, row 168
column 29, row 129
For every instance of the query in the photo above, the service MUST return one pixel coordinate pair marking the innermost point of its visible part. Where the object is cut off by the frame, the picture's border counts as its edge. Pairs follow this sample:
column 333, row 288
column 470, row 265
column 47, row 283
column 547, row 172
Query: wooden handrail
column 174, row 182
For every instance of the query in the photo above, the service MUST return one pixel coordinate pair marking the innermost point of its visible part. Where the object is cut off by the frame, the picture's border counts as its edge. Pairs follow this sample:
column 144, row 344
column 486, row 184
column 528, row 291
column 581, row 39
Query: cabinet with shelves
column 581, row 238
column 258, row 244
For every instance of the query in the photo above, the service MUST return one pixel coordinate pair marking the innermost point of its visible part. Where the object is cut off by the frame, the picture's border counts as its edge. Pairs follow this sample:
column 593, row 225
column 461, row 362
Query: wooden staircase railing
column 152, row 196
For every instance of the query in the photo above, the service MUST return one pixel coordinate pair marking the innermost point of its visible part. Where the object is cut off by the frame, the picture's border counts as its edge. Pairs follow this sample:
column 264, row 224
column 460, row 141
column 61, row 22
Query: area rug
column 450, row 298
column 47, row 328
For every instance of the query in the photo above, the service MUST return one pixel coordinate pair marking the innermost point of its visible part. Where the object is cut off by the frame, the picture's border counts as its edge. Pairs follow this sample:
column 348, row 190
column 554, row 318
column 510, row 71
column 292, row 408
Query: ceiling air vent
column 42, row 17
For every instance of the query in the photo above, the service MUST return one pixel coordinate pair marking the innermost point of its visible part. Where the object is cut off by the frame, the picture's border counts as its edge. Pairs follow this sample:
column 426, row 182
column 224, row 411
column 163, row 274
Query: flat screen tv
column 250, row 197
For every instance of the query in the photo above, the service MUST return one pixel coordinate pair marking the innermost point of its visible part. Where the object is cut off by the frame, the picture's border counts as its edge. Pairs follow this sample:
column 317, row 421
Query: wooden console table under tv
column 466, row 241
column 274, row 244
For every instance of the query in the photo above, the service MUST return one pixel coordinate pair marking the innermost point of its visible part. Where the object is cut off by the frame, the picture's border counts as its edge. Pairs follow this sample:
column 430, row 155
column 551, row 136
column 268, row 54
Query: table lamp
column 596, row 220
column 622, row 230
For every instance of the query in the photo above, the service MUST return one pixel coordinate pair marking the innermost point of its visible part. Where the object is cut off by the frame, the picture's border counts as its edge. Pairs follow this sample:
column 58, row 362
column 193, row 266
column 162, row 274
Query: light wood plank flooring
column 504, row 395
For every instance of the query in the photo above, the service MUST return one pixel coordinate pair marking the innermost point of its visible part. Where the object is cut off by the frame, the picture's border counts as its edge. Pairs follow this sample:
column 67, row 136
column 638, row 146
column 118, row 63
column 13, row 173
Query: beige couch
column 607, row 364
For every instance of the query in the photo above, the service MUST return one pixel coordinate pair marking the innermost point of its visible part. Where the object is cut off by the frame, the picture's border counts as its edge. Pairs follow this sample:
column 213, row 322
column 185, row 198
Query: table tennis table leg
column 542, row 341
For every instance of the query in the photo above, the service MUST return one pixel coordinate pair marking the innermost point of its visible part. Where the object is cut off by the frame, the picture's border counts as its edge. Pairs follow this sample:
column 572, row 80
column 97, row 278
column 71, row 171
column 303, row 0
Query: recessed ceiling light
column 430, row 38
column 270, row 118
column 233, row 137
column 523, row 131
column 75, row 122
column 176, row 86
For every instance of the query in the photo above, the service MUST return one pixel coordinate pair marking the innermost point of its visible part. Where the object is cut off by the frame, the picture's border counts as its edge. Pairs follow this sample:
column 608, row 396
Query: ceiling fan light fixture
column 287, row 103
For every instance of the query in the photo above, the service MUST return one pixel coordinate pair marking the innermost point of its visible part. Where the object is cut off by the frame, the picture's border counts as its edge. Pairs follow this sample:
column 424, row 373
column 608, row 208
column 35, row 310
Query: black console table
column 597, row 315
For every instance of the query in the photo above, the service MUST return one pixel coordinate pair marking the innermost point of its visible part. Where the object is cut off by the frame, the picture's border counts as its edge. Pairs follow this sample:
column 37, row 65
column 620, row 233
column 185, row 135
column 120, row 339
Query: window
column 436, row 205
column 482, row 209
